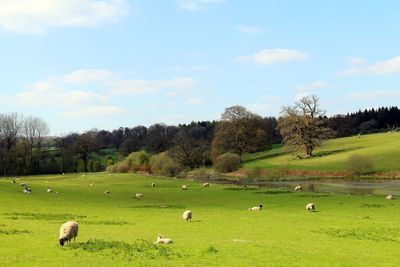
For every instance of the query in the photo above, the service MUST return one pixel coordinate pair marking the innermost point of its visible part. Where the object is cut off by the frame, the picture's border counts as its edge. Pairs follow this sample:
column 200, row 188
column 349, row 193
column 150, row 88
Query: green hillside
column 383, row 149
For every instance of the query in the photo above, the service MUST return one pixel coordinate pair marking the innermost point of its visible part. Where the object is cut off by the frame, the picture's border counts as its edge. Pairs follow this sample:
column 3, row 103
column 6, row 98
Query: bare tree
column 10, row 127
column 301, row 126
column 34, row 129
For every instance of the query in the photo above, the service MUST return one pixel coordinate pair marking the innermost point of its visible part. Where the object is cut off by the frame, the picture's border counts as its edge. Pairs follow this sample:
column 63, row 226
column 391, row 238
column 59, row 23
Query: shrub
column 358, row 164
column 255, row 172
column 227, row 162
column 163, row 164
column 136, row 161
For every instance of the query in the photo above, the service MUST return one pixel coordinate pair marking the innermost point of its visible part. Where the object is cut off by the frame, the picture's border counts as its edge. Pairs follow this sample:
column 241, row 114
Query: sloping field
column 383, row 149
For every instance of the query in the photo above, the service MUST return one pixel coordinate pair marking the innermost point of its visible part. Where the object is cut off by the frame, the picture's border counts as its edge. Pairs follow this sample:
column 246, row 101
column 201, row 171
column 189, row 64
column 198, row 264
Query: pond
column 331, row 186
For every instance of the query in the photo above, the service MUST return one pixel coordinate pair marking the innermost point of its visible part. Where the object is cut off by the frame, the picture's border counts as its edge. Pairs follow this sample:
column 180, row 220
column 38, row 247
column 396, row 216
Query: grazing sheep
column 187, row 215
column 162, row 240
column 139, row 195
column 91, row 184
column 68, row 231
column 153, row 185
column 184, row 187
column 13, row 181
column 298, row 188
column 390, row 197
column 83, row 175
column 27, row 190
column 49, row 190
column 256, row 208
column 310, row 207
column 106, row 192
column 206, row 185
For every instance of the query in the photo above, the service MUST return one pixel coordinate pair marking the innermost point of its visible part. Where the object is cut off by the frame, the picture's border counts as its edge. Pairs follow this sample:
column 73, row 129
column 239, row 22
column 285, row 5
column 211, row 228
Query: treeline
column 367, row 121
column 26, row 149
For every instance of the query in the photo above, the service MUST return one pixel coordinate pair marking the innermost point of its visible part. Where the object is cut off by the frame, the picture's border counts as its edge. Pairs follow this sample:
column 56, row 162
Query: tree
column 189, row 152
column 239, row 131
column 301, row 126
column 84, row 146
column 10, row 127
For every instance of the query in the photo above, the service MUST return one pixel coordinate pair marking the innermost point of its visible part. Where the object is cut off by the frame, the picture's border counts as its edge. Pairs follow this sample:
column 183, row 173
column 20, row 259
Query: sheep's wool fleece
column 69, row 230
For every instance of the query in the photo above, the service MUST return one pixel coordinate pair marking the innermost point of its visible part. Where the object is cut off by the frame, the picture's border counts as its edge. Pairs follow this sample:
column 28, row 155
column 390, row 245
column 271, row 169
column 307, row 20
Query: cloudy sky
column 83, row 64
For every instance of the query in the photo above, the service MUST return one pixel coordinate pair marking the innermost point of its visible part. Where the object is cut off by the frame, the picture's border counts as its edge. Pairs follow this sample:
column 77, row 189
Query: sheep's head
column 261, row 206
column 62, row 241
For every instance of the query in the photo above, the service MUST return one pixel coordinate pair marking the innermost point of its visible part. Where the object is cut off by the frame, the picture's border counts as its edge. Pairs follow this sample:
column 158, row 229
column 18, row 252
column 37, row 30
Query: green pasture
column 118, row 230
column 383, row 149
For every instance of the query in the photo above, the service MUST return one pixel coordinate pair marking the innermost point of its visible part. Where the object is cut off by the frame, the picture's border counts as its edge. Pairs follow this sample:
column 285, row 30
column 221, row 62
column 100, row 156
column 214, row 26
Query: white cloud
column 194, row 101
column 87, row 76
column 27, row 16
column 95, row 111
column 250, row 29
column 379, row 68
column 196, row 5
column 151, row 86
column 314, row 85
column 356, row 60
column 46, row 94
column 374, row 94
column 272, row 56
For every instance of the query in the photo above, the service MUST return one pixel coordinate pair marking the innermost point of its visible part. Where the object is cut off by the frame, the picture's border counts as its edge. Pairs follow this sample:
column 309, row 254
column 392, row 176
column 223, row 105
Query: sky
column 105, row 64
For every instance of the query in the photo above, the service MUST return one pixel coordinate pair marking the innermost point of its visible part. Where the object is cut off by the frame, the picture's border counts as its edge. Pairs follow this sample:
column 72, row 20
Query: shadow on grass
column 159, row 207
column 241, row 188
column 312, row 195
column 372, row 206
column 13, row 232
column 106, row 222
column 137, row 249
column 42, row 216
column 273, row 192
column 371, row 233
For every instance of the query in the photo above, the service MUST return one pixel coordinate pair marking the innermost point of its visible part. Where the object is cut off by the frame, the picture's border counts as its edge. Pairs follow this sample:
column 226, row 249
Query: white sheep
column 49, row 190
column 139, row 195
column 390, row 197
column 68, row 231
column 256, row 208
column 106, row 192
column 298, row 188
column 153, row 185
column 187, row 215
column 310, row 207
column 206, row 185
column 27, row 190
column 184, row 187
column 162, row 240
column 91, row 184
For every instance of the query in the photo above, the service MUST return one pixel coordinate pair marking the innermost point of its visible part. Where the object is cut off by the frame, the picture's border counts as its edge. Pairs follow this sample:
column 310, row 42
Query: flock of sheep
column 69, row 230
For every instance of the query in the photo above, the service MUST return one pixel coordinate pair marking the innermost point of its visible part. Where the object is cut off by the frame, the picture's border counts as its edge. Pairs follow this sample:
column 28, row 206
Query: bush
column 136, row 161
column 358, row 164
column 227, row 162
column 163, row 164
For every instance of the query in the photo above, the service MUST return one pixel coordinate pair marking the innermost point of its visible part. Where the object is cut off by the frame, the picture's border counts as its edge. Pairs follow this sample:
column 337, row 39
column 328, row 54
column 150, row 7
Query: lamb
column 27, row 190
column 106, row 192
column 91, row 184
column 153, row 185
column 162, row 240
column 256, row 208
column 187, row 215
column 139, row 195
column 390, row 197
column 298, row 188
column 310, row 207
column 49, row 190
column 206, row 185
column 184, row 187
column 13, row 181
column 68, row 231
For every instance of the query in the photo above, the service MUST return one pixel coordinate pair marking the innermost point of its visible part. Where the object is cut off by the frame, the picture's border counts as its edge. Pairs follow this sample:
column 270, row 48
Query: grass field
column 118, row 230
column 383, row 149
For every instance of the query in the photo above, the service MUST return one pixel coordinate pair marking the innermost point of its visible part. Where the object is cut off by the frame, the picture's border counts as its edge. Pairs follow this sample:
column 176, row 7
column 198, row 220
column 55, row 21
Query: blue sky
column 83, row 64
